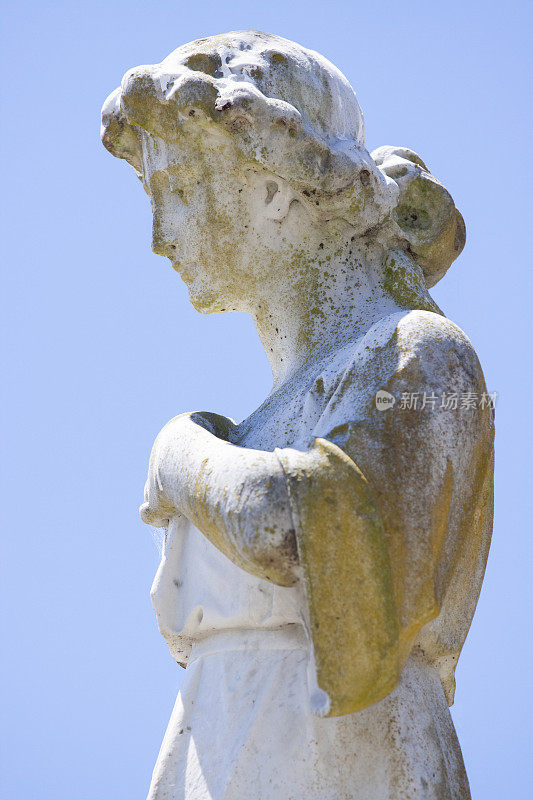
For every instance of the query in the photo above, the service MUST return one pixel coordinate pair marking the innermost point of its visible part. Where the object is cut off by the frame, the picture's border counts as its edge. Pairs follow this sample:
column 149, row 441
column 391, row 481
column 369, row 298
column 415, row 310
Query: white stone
column 323, row 558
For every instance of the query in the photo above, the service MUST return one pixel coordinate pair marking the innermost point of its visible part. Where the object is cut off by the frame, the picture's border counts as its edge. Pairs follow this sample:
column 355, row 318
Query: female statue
column 323, row 558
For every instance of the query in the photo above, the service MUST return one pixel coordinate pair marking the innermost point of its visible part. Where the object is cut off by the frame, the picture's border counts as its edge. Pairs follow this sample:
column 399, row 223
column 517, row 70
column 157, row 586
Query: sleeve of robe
column 393, row 513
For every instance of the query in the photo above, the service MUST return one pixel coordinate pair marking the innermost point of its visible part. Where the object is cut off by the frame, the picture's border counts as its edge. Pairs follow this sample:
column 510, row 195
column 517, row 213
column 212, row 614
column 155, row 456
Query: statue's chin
column 205, row 300
column 209, row 296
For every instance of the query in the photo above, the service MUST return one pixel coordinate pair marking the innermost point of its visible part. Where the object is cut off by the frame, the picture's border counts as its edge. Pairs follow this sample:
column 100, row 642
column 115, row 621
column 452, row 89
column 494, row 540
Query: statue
column 323, row 558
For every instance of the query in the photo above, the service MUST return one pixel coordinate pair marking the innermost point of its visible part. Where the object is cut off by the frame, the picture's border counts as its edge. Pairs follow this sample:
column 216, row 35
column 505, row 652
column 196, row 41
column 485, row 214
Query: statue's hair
column 286, row 108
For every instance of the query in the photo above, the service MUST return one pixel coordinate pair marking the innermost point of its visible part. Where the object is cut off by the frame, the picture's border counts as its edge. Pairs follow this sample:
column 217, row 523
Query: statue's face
column 216, row 218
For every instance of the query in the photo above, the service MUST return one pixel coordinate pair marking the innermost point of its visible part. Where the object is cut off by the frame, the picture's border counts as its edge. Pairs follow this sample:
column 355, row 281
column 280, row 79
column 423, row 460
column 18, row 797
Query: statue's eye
column 209, row 63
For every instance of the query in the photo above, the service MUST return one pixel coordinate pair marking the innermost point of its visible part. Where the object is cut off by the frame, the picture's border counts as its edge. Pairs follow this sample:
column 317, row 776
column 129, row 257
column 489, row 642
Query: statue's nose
column 161, row 246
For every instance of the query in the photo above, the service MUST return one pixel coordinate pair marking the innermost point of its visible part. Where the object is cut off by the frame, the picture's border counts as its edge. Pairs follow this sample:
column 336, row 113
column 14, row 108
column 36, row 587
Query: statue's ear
column 432, row 226
column 278, row 198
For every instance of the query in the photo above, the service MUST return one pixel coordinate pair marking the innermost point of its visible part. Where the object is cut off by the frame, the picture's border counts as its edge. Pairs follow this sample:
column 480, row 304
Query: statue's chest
column 284, row 423
column 337, row 391
column 289, row 417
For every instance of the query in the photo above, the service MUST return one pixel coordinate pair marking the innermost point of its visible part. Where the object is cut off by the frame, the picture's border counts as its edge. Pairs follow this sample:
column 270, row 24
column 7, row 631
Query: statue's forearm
column 236, row 496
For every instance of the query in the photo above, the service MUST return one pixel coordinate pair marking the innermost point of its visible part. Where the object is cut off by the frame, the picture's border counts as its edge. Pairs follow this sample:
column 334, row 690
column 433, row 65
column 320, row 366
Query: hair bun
column 431, row 225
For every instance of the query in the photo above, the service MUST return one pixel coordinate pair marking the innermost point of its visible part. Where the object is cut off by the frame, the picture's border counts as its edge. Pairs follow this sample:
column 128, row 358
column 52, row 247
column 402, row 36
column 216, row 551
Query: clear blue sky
column 101, row 348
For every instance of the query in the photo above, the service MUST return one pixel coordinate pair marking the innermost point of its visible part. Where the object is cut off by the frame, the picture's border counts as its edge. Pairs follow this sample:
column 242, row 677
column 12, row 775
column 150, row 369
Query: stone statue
column 323, row 558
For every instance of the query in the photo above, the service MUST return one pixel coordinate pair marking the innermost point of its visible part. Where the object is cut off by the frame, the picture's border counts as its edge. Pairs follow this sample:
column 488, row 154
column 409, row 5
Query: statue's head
column 252, row 150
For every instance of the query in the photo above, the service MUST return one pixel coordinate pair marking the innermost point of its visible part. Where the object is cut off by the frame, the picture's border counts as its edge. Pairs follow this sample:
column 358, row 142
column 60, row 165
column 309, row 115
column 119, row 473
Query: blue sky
column 101, row 348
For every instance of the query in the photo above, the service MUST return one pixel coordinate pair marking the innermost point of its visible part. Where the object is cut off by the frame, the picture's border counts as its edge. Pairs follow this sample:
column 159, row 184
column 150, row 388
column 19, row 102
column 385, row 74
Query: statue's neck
column 302, row 320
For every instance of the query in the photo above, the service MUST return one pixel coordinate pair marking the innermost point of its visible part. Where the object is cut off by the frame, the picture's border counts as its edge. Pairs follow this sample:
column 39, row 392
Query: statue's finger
column 151, row 517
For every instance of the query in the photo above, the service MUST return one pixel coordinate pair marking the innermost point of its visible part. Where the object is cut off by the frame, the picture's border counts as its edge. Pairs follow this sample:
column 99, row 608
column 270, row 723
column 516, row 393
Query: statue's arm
column 240, row 497
column 236, row 496
column 395, row 538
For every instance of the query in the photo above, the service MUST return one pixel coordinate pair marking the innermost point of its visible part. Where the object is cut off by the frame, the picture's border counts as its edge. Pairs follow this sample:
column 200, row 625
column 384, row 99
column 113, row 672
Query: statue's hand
column 155, row 510
column 172, row 470
column 166, row 464
column 151, row 517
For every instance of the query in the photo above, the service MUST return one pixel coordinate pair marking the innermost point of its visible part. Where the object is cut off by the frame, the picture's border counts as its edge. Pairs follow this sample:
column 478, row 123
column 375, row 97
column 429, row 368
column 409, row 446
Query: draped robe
column 392, row 511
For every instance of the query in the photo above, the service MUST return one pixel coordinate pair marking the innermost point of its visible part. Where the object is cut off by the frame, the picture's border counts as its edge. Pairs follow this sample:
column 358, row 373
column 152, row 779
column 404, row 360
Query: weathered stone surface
column 322, row 558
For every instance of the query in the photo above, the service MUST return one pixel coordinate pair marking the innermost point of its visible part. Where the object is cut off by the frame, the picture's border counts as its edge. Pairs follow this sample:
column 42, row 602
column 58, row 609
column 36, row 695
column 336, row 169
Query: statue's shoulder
column 415, row 330
column 420, row 343
column 409, row 353
column 414, row 373
column 428, row 329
